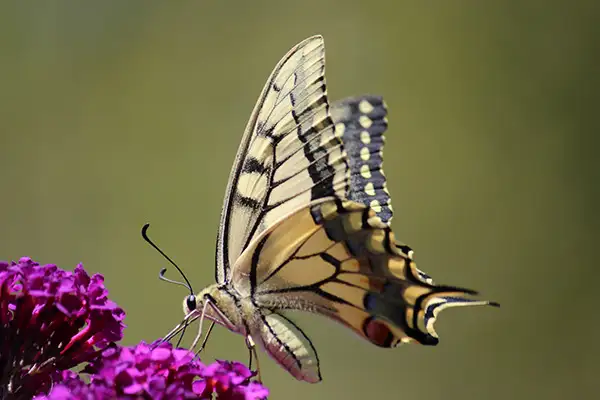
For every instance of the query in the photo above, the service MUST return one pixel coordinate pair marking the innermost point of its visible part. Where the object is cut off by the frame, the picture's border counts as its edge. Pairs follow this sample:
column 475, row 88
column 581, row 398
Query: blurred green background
column 117, row 113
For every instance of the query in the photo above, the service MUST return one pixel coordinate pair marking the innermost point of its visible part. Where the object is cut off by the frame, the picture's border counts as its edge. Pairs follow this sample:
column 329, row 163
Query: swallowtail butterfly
column 305, row 226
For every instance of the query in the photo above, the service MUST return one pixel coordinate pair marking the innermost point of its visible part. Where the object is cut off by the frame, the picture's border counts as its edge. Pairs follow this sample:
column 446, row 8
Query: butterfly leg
column 203, row 345
column 219, row 318
column 253, row 354
column 199, row 335
column 182, row 335
column 191, row 317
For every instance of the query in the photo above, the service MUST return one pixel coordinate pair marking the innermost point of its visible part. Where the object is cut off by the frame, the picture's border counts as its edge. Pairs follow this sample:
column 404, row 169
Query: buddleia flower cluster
column 58, row 340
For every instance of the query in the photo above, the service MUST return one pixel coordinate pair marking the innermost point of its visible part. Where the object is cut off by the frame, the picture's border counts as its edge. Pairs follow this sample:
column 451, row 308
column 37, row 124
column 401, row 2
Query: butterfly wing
column 288, row 157
column 288, row 346
column 361, row 122
column 337, row 258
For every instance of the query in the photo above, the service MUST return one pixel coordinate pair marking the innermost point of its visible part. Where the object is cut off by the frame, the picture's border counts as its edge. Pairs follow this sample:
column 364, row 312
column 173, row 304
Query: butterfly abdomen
column 285, row 342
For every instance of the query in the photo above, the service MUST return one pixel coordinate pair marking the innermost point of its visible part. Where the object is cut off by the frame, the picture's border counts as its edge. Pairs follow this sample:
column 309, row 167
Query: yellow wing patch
column 338, row 259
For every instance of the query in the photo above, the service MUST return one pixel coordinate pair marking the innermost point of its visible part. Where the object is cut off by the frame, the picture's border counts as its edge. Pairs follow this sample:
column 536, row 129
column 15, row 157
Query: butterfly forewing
column 289, row 155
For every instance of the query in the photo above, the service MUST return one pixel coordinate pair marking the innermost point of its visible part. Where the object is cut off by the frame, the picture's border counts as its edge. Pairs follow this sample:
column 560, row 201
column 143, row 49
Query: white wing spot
column 365, row 121
column 339, row 129
column 365, row 171
column 365, row 107
column 370, row 189
column 375, row 206
column 365, row 137
column 365, row 153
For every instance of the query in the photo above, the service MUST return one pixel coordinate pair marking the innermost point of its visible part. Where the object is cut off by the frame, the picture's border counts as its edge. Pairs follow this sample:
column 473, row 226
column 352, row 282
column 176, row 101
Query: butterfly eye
column 191, row 302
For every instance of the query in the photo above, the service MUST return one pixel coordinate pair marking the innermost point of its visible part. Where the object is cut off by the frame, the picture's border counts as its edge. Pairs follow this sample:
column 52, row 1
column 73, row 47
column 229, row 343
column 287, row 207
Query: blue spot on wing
column 364, row 123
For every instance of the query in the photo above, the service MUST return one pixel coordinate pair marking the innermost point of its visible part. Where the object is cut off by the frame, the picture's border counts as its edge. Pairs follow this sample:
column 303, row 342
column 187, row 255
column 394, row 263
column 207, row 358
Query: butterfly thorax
column 229, row 308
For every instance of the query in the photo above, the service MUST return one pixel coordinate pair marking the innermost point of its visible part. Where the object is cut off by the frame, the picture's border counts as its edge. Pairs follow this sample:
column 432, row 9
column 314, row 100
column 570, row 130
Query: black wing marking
column 361, row 122
column 289, row 155
column 337, row 258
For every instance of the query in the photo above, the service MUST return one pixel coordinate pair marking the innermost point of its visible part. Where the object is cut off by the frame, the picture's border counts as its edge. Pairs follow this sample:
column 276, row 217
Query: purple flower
column 158, row 372
column 50, row 320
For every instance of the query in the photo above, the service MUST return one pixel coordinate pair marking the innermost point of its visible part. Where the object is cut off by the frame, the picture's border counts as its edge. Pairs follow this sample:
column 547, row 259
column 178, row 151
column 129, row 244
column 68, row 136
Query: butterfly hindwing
column 289, row 155
column 361, row 122
column 338, row 259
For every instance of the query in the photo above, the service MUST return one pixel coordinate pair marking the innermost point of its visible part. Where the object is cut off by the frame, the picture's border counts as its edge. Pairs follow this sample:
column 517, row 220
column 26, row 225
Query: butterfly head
column 196, row 302
column 189, row 303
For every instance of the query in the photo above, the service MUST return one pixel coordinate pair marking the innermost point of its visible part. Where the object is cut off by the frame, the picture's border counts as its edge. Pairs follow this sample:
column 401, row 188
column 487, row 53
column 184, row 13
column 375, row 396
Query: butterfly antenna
column 162, row 272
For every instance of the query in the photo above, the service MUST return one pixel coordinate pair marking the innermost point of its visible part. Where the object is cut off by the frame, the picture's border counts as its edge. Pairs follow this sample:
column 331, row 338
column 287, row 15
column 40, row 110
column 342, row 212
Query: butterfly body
column 273, row 332
column 305, row 226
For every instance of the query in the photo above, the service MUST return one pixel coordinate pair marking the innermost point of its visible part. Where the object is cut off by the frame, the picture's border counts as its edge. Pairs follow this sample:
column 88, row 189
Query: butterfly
column 305, row 226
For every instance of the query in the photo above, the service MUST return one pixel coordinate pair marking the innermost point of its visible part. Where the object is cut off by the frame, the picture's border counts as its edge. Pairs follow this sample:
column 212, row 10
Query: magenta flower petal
column 161, row 354
column 255, row 391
